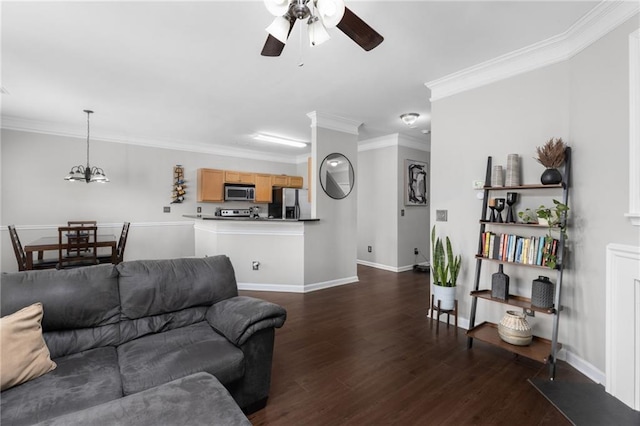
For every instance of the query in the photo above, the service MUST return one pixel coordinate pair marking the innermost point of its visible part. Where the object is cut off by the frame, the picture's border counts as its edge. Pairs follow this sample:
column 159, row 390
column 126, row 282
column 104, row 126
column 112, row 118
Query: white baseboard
column 389, row 268
column 301, row 288
column 582, row 366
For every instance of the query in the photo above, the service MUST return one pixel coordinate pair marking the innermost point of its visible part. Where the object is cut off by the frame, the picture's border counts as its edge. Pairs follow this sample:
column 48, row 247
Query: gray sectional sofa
column 115, row 331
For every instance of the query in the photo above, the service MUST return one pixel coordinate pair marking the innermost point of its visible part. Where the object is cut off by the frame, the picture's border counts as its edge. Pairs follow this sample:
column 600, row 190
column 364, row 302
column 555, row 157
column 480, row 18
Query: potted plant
column 445, row 268
column 556, row 219
column 551, row 155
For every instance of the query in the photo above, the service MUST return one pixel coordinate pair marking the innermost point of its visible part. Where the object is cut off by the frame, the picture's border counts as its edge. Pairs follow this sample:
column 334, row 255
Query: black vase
column 542, row 292
column 500, row 284
column 551, row 177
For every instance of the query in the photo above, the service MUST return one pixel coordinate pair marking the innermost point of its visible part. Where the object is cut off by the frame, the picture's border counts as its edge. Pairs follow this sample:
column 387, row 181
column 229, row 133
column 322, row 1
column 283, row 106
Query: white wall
column 583, row 100
column 37, row 199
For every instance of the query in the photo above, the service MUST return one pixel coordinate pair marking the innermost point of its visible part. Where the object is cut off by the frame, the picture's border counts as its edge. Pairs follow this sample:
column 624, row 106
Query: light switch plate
column 441, row 215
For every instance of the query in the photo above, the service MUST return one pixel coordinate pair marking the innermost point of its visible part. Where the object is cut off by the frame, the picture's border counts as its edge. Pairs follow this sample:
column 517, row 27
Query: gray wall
column 381, row 186
column 37, row 199
column 583, row 100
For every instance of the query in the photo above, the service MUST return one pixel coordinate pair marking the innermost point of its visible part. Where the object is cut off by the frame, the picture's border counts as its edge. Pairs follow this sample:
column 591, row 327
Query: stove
column 235, row 213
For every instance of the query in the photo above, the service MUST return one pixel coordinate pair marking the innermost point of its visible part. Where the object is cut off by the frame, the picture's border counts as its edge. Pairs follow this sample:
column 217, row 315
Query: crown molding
column 334, row 122
column 49, row 128
column 393, row 140
column 603, row 18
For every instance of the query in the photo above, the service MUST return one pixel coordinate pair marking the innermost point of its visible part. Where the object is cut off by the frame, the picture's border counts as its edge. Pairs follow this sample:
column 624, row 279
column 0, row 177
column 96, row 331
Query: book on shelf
column 517, row 249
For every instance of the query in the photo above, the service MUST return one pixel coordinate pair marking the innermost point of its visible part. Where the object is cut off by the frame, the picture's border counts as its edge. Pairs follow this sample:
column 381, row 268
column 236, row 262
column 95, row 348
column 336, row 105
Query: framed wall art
column 415, row 184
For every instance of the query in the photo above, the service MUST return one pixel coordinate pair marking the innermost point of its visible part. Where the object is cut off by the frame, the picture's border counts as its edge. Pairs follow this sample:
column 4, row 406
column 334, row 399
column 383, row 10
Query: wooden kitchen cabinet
column 263, row 188
column 238, row 177
column 210, row 185
column 294, row 182
column 284, row 181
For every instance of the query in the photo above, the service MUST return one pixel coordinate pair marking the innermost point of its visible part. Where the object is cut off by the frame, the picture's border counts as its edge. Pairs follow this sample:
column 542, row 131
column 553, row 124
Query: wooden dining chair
column 122, row 242
column 82, row 223
column 21, row 256
column 81, row 243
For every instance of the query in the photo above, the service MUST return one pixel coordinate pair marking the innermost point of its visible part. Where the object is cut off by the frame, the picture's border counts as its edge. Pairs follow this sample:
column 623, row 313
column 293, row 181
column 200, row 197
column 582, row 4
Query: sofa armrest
column 239, row 317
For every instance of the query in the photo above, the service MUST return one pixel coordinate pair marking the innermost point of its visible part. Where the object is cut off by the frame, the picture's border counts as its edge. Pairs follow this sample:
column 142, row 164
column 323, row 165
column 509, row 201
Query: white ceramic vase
column 446, row 295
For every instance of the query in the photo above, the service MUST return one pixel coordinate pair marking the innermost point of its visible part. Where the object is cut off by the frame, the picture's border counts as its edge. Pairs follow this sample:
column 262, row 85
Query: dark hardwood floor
column 366, row 354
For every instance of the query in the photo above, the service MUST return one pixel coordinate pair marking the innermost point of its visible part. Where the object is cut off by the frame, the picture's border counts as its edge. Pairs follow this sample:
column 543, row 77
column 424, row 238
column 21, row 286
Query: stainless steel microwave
column 239, row 193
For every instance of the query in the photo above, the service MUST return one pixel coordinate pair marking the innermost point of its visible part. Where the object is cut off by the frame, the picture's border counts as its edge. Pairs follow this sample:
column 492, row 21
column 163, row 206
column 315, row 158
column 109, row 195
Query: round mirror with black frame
column 336, row 176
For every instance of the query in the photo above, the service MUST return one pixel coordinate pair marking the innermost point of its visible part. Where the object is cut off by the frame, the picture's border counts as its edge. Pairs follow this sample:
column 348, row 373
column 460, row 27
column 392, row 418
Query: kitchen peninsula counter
column 267, row 254
column 246, row 219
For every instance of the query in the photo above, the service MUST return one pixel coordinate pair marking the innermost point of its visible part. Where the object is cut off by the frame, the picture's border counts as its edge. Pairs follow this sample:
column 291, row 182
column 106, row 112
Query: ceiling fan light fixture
column 317, row 32
column 279, row 140
column 279, row 29
column 331, row 12
column 409, row 118
column 277, row 7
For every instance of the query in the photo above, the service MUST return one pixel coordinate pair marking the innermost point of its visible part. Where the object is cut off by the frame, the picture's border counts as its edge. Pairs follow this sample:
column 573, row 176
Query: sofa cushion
column 81, row 380
column 160, row 358
column 23, row 353
column 72, row 298
column 198, row 399
column 153, row 287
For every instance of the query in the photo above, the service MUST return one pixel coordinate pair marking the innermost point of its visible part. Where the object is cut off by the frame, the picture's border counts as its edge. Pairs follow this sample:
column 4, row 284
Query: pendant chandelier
column 87, row 173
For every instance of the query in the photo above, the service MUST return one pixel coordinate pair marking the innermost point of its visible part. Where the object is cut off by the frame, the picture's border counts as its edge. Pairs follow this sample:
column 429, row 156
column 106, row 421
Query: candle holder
column 512, row 198
column 499, row 207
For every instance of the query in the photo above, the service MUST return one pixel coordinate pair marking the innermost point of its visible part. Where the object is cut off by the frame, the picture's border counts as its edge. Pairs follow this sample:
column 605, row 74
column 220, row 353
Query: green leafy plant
column 445, row 266
column 556, row 218
column 528, row 216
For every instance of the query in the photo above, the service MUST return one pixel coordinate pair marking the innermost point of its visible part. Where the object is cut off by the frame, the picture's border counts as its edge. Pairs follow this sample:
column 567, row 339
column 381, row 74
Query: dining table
column 52, row 244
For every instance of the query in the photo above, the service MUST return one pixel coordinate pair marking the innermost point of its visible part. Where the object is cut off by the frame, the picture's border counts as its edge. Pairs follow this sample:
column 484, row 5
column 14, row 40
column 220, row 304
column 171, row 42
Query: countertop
column 244, row 219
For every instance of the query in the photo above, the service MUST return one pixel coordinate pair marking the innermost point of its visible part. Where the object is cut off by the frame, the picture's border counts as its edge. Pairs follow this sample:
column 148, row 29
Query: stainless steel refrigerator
column 290, row 203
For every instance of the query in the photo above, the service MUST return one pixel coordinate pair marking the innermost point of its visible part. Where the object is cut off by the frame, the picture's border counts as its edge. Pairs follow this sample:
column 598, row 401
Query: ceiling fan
column 319, row 15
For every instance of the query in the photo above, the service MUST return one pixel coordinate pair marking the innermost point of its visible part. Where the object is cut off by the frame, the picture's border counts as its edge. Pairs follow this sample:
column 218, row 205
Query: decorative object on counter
column 497, row 176
column 551, row 155
column 499, row 207
column 512, row 198
column 415, row 192
column 556, row 220
column 87, row 173
column 542, row 291
column 491, row 203
column 513, row 170
column 445, row 271
column 178, row 185
column 500, row 284
column 515, row 329
column 337, row 176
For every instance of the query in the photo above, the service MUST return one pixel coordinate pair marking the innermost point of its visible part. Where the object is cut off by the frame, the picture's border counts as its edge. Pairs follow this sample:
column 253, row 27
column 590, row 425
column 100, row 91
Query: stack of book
column 517, row 249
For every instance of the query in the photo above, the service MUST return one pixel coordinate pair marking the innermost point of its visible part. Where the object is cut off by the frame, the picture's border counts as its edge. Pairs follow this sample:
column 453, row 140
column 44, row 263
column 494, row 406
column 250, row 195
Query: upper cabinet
column 263, row 188
column 239, row 177
column 210, row 185
column 284, row 181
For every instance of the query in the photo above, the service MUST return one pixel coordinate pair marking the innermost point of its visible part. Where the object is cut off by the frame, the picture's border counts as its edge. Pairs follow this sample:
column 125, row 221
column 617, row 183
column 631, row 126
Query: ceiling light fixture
column 320, row 15
column 409, row 118
column 279, row 140
column 87, row 173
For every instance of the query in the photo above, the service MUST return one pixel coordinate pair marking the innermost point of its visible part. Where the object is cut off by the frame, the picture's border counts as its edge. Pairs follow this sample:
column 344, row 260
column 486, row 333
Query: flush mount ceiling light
column 87, row 173
column 279, row 140
column 409, row 118
column 319, row 15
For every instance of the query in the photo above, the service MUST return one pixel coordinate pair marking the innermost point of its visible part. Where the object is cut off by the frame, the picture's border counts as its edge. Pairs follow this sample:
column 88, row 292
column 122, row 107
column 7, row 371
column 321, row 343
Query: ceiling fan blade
column 273, row 46
column 359, row 31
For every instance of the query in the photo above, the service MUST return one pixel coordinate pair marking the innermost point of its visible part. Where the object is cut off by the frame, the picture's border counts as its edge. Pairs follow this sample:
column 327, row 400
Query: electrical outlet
column 416, row 251
column 369, row 249
column 166, row 209
column 199, row 209
column 441, row 215
column 401, row 212
column 255, row 265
